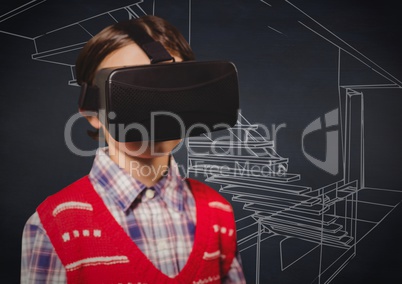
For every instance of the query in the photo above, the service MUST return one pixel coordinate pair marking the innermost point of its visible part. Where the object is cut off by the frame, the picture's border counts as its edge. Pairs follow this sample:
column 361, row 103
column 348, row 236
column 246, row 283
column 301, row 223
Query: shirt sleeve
column 235, row 274
column 39, row 261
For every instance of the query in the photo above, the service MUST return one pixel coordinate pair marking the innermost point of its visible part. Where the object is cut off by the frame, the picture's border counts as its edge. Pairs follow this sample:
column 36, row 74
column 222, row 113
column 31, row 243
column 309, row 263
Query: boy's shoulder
column 210, row 193
column 77, row 190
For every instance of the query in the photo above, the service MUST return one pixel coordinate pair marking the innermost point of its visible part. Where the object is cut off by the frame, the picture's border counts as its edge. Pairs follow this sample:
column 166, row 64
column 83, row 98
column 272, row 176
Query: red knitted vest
column 94, row 248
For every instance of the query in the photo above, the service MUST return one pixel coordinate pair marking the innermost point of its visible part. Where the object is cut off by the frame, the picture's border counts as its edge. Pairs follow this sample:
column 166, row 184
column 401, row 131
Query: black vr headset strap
column 89, row 98
column 156, row 52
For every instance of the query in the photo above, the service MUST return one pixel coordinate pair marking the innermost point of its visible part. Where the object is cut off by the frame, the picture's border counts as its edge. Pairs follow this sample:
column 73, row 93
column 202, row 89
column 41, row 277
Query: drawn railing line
column 341, row 117
column 42, row 55
column 90, row 18
column 20, row 10
column 387, row 76
column 347, row 44
column 190, row 12
column 16, row 35
column 82, row 27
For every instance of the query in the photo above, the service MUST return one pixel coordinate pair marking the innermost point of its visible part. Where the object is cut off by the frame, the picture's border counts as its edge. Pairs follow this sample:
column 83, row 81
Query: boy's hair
column 114, row 37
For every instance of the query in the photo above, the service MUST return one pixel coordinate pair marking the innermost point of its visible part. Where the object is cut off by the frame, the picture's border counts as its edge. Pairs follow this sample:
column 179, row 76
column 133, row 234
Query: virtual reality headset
column 161, row 102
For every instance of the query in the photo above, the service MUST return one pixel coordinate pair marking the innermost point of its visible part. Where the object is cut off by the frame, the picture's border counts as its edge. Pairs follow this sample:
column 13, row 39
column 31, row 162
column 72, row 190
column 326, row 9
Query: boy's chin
column 148, row 152
column 146, row 149
column 146, row 155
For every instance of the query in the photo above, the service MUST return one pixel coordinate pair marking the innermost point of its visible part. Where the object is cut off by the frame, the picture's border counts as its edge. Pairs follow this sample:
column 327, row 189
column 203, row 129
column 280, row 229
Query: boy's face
column 131, row 55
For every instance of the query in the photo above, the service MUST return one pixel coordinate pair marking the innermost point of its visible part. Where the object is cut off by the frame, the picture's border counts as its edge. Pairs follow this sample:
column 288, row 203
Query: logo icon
column 331, row 162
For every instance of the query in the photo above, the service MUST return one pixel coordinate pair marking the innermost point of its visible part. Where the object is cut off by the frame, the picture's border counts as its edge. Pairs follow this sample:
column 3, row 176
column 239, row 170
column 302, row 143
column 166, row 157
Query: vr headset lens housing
column 162, row 101
column 166, row 101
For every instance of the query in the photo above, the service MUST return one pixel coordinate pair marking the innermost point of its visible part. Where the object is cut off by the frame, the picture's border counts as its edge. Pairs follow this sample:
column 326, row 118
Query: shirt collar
column 124, row 189
column 171, row 189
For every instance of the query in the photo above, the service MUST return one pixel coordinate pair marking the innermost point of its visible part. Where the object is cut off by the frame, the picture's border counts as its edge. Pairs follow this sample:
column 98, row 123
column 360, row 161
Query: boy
column 120, row 226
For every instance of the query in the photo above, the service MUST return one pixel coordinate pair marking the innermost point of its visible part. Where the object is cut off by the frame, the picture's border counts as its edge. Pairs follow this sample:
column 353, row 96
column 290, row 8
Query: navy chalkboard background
column 323, row 79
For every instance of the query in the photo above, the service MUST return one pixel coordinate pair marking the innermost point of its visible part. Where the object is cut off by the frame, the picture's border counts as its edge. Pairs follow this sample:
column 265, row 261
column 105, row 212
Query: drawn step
column 213, row 170
column 265, row 194
column 275, row 202
column 314, row 233
column 242, row 127
column 316, row 209
column 233, row 161
column 341, row 241
column 205, row 143
column 269, row 186
column 250, row 146
column 300, row 231
column 329, row 228
column 255, row 200
column 262, row 210
column 265, row 167
column 228, row 157
column 282, row 178
column 325, row 218
column 241, row 150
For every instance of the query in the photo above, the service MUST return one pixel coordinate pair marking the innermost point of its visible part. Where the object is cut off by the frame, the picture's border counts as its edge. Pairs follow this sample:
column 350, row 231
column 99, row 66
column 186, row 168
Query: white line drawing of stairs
column 55, row 47
column 279, row 205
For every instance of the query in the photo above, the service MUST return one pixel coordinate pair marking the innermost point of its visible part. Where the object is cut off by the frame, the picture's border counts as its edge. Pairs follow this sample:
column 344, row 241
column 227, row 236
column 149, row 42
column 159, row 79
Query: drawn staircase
column 279, row 204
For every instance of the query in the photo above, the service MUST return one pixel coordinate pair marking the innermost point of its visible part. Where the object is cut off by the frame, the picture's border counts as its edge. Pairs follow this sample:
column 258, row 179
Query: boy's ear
column 92, row 119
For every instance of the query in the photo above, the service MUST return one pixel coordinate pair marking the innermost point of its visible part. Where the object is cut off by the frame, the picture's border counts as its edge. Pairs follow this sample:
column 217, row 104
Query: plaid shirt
column 161, row 222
